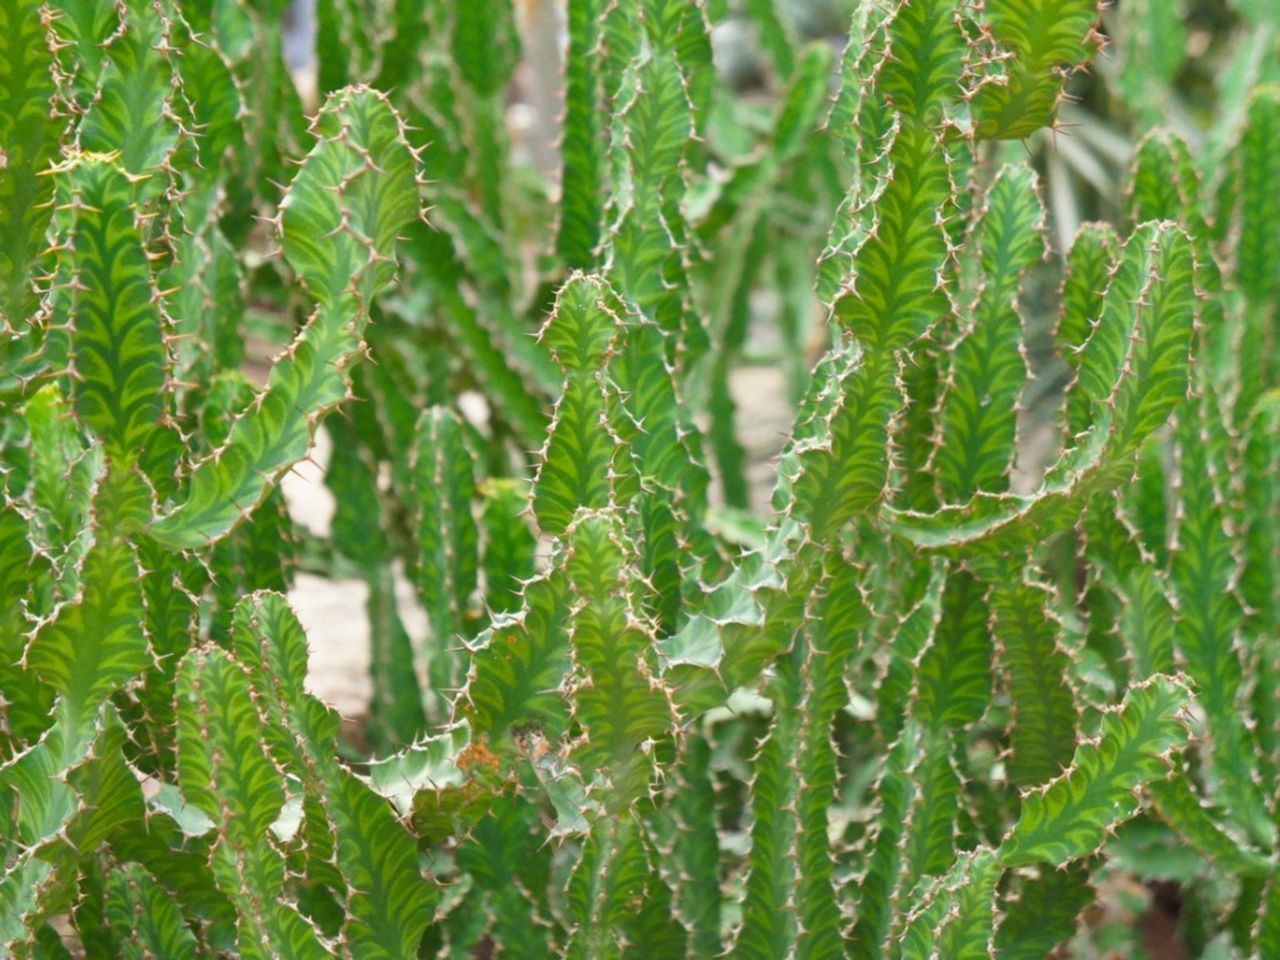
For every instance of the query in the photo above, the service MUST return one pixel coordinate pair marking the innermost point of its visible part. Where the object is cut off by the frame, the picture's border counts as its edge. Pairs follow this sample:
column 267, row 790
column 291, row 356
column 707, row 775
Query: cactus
column 926, row 705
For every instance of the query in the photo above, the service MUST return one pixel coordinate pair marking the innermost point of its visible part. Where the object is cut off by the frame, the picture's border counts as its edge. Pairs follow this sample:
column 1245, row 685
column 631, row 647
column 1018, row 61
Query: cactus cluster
column 991, row 644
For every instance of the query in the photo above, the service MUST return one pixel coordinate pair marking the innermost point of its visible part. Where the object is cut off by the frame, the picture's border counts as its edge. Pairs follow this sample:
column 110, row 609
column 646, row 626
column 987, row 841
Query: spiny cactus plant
column 974, row 662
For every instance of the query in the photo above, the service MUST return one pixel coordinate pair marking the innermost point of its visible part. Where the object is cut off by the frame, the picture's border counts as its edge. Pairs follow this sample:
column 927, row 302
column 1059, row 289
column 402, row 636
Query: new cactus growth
column 922, row 707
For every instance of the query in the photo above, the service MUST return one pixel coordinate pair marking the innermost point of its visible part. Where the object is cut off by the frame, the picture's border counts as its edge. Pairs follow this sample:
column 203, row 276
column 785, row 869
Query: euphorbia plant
column 901, row 715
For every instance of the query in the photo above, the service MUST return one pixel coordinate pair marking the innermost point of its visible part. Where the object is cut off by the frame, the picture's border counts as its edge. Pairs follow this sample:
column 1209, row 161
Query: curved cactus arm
column 896, row 295
column 978, row 413
column 211, row 95
column 206, row 278
column 144, row 921
column 1048, row 39
column 652, row 131
column 31, row 133
column 863, row 123
column 673, row 482
column 1133, row 373
column 896, row 291
column 654, row 124
column 84, row 29
column 176, row 853
column 97, row 795
column 225, row 773
column 388, row 904
column 1154, row 272
column 1069, row 817
column 845, row 470
column 1165, row 185
column 94, row 644
column 355, row 192
column 1063, row 822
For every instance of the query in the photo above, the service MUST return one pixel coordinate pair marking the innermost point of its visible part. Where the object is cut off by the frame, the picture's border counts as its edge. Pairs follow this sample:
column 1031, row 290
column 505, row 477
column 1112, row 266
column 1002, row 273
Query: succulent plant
column 914, row 710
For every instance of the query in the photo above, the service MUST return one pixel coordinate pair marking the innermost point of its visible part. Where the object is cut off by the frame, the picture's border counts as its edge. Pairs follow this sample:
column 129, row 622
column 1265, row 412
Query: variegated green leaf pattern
column 519, row 662
column 618, row 701
column 30, row 133
column 133, row 108
column 1046, row 38
column 1258, row 248
column 910, row 711
column 144, row 920
column 387, row 904
column 1045, row 913
column 1069, row 818
column 1027, row 632
column 1209, row 616
column 1133, row 373
column 117, row 344
column 353, row 195
column 583, row 149
column 582, row 453
column 225, row 773
column 987, row 373
column 445, row 486
column 91, row 647
column 1088, row 270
